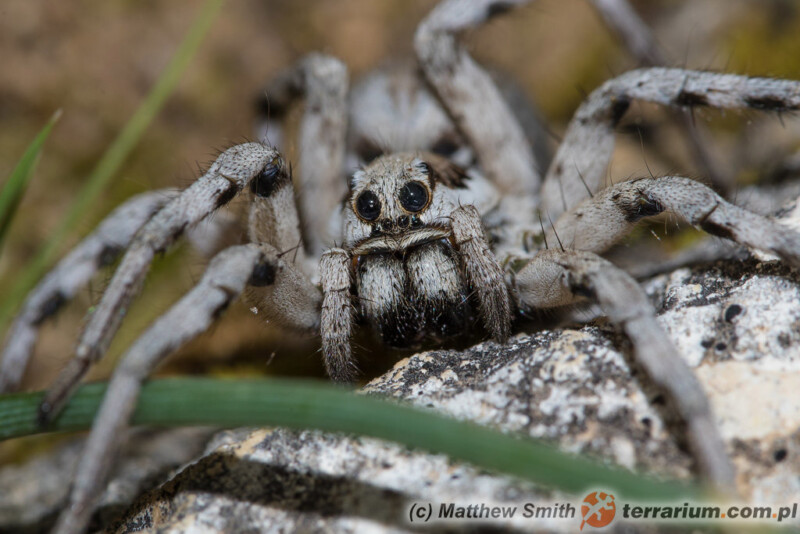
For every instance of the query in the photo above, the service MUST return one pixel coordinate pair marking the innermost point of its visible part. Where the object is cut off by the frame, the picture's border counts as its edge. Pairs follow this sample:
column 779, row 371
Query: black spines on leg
column 269, row 180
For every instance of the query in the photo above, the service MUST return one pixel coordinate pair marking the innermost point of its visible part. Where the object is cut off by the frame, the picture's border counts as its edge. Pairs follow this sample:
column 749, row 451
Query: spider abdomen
column 413, row 295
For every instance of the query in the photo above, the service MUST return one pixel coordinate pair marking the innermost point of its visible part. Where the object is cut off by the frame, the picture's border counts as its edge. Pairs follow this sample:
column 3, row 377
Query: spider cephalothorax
column 409, row 277
column 436, row 228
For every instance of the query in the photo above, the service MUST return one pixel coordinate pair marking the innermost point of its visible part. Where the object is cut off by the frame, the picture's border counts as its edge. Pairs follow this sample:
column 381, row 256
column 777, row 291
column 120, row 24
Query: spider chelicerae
column 446, row 222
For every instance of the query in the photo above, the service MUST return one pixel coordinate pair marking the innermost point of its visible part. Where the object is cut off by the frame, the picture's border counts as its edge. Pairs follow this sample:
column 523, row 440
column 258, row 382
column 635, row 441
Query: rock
column 736, row 323
column 33, row 493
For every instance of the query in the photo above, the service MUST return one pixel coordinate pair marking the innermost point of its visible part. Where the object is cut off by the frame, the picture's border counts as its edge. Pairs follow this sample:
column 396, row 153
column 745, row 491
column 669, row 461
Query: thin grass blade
column 112, row 159
column 17, row 183
column 309, row 404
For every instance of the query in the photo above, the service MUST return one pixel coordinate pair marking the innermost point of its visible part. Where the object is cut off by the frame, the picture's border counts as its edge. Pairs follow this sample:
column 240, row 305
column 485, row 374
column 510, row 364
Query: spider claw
column 58, row 395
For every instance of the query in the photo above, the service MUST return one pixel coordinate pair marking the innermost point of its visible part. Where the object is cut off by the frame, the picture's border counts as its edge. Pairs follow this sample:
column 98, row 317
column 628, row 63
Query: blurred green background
column 97, row 59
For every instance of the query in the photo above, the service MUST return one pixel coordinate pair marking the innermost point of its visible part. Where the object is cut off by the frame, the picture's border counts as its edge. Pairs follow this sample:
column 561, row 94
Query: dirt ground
column 97, row 59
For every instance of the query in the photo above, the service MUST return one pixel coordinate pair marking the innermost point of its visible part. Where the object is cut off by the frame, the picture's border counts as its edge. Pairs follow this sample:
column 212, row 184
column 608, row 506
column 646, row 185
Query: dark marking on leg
column 690, row 99
column 443, row 171
column 768, row 103
column 716, row 229
column 368, row 150
column 582, row 290
column 217, row 313
column 50, row 307
column 640, row 208
column 270, row 179
column 108, row 255
column 227, row 195
column 445, row 147
column 230, row 296
column 618, row 108
column 498, row 8
column 263, row 275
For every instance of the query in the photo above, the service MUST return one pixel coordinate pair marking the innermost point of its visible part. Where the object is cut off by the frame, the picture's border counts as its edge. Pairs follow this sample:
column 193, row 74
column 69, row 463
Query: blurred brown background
column 97, row 59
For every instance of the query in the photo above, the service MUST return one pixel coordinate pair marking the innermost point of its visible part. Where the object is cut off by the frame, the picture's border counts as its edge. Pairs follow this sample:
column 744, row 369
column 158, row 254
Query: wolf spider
column 441, row 226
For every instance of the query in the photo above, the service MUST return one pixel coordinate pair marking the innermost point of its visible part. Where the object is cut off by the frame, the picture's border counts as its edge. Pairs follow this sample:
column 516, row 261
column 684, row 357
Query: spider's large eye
column 414, row 196
column 368, row 206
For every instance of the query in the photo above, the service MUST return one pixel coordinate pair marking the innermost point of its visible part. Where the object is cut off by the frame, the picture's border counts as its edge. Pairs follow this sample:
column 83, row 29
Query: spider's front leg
column 483, row 271
column 235, row 168
column 557, row 278
column 579, row 167
column 336, row 318
column 470, row 95
column 322, row 81
column 97, row 250
column 599, row 222
column 283, row 293
column 272, row 268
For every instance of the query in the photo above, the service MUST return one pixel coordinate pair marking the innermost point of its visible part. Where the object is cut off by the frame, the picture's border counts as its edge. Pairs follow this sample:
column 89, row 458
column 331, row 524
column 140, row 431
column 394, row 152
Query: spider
column 442, row 225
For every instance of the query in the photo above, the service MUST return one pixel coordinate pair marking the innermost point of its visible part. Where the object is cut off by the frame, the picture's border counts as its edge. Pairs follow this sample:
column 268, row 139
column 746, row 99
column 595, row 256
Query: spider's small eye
column 414, row 196
column 368, row 206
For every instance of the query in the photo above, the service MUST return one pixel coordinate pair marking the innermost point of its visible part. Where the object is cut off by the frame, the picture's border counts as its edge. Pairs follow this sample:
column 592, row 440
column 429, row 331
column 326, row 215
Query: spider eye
column 414, row 196
column 368, row 206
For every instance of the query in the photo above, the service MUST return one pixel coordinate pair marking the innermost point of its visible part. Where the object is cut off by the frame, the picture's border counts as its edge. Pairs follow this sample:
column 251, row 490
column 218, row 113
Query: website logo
column 598, row 509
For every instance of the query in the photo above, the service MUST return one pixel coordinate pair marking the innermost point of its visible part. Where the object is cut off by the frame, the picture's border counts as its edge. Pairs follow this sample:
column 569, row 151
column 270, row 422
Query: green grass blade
column 17, row 183
column 112, row 159
column 308, row 404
